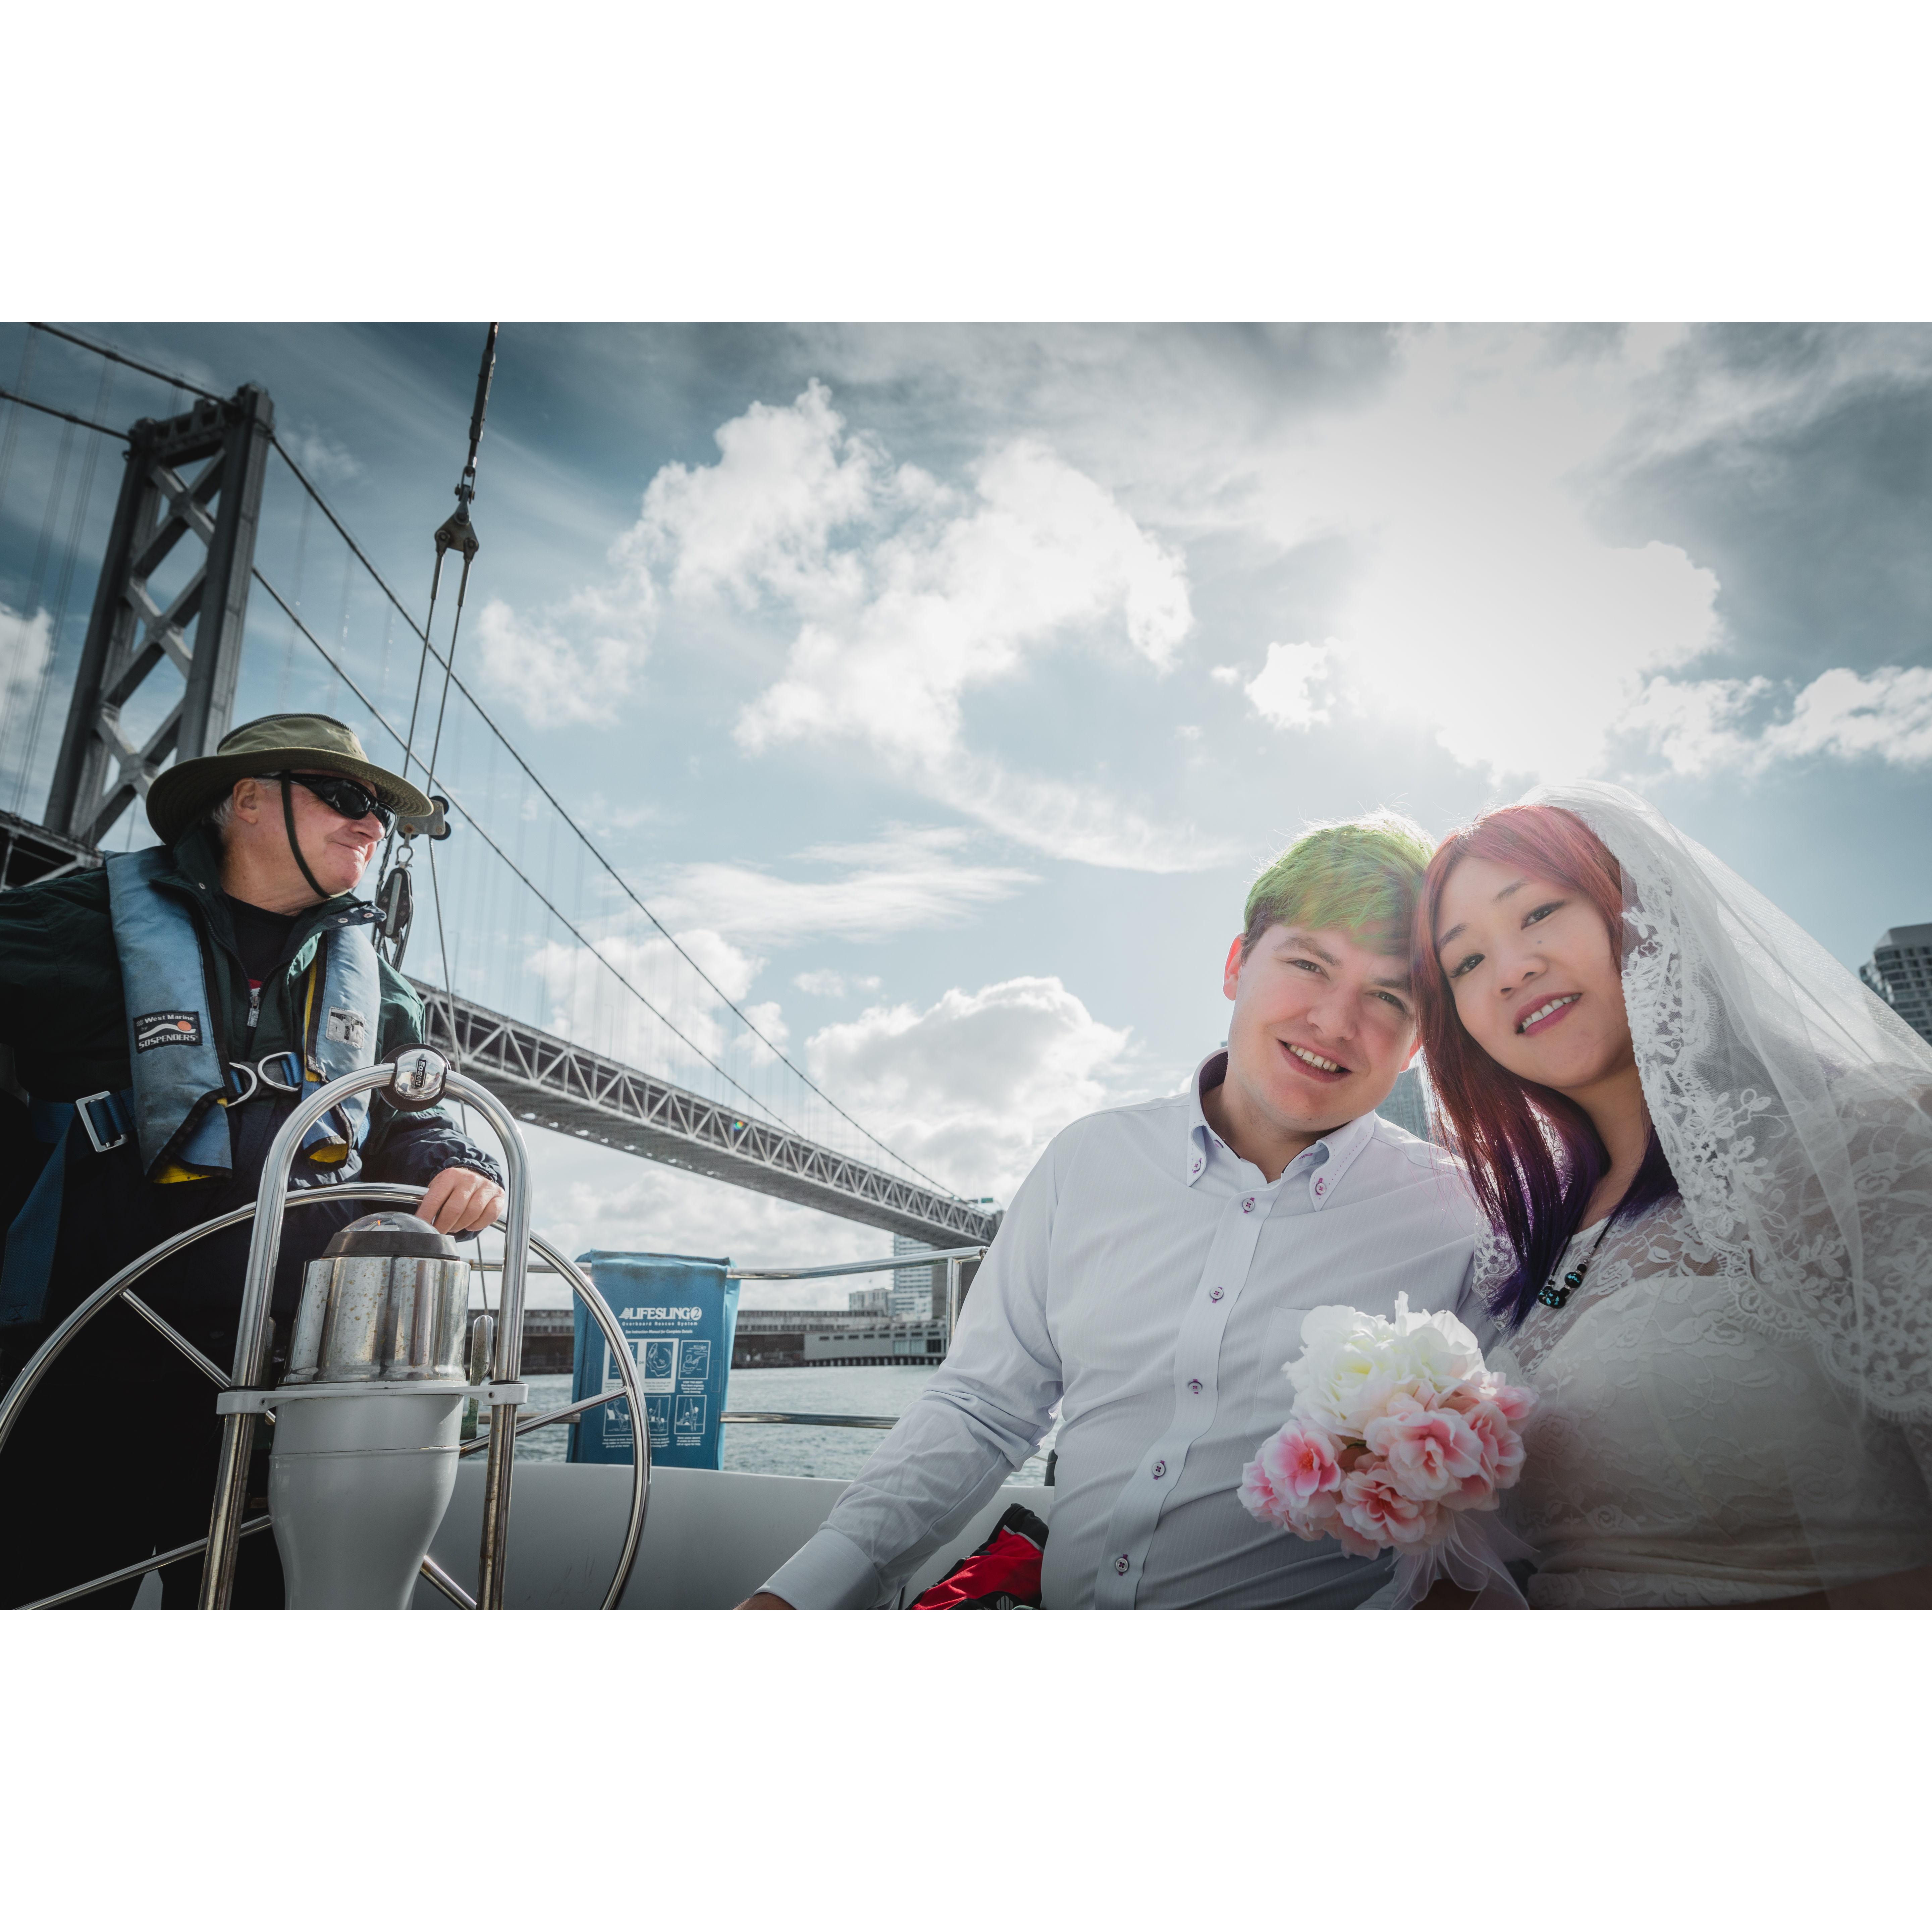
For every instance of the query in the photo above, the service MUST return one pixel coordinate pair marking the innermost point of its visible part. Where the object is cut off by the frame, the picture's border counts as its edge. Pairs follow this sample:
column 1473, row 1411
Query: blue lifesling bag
column 680, row 1316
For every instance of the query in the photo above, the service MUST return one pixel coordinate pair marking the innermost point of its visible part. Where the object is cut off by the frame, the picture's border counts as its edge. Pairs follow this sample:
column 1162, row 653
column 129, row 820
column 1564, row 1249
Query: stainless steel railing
column 953, row 1258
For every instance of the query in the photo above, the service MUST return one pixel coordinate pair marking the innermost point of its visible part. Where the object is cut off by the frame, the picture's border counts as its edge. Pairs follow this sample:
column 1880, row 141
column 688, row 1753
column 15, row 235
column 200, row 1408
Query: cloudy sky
column 941, row 688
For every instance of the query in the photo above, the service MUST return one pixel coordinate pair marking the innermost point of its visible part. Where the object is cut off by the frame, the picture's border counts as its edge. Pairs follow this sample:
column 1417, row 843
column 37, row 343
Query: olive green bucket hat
column 289, row 741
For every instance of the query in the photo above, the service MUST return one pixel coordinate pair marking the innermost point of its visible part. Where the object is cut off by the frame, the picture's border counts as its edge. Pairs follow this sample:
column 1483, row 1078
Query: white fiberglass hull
column 711, row 1536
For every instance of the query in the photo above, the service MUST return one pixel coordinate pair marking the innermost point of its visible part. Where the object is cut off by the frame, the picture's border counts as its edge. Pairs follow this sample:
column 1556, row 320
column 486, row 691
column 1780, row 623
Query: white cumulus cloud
column 25, row 643
column 576, row 663
column 760, row 521
column 1711, row 724
column 910, row 879
column 824, row 984
column 910, row 596
column 588, row 1002
column 590, row 1197
column 1485, row 607
column 1281, row 691
column 973, row 1087
column 323, row 457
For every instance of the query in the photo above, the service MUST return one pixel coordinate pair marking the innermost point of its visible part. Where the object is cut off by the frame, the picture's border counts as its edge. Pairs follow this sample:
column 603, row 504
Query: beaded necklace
column 1550, row 1294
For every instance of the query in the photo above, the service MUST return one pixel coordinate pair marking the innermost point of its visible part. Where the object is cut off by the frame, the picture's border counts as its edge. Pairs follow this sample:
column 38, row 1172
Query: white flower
column 1352, row 1366
column 1343, row 1359
column 1434, row 1349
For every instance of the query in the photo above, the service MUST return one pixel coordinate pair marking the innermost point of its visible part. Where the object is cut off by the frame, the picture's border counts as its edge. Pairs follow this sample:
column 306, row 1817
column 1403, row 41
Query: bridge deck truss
column 552, row 1082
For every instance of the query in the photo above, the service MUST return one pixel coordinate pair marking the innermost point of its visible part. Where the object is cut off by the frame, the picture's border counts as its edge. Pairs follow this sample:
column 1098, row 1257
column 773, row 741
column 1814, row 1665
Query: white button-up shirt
column 1152, row 1283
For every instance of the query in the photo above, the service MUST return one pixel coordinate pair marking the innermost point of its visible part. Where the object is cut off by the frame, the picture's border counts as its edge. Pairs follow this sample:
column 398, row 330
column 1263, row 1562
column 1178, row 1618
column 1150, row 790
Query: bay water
column 782, row 1449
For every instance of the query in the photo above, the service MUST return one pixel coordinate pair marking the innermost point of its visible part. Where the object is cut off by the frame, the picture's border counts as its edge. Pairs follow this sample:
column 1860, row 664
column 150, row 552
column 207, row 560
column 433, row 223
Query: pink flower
column 1429, row 1451
column 1314, row 1519
column 1299, row 1461
column 1379, row 1514
column 1516, row 1403
column 1356, row 1545
column 1257, row 1496
column 1501, row 1448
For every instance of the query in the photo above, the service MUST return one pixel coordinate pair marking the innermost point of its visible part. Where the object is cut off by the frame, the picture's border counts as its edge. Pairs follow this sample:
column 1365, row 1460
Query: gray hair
column 221, row 815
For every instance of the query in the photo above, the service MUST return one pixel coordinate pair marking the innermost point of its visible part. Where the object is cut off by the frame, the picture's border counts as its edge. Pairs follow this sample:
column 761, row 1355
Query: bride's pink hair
column 1533, row 1156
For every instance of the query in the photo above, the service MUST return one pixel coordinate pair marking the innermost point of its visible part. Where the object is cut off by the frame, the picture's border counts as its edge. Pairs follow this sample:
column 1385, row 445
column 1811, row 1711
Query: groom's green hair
column 1362, row 874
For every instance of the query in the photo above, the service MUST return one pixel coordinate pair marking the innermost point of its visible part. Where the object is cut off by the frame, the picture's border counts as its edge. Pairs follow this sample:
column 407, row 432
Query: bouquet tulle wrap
column 1400, row 1438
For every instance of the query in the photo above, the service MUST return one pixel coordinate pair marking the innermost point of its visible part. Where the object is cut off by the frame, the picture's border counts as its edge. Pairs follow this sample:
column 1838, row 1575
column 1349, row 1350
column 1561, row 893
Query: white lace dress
column 1682, row 1457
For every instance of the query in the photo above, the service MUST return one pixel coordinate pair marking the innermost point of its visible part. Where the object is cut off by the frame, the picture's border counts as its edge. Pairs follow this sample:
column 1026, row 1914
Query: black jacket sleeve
column 411, row 1149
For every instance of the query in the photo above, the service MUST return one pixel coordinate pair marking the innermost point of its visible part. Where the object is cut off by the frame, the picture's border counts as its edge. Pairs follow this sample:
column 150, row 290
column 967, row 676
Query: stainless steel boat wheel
column 377, row 1367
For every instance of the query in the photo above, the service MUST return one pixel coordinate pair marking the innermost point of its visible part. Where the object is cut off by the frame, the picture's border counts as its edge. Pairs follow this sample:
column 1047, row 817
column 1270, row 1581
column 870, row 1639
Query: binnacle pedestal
column 368, row 1418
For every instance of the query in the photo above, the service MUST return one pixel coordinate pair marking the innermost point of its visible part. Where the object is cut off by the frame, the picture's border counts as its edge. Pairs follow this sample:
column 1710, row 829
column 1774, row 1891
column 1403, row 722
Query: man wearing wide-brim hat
column 165, row 1013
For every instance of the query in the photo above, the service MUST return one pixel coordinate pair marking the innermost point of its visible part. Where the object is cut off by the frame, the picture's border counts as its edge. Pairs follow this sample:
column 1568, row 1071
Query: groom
column 1152, row 1275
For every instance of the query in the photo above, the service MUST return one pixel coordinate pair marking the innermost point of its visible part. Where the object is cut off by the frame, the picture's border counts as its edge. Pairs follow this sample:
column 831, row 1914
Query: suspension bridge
column 555, row 982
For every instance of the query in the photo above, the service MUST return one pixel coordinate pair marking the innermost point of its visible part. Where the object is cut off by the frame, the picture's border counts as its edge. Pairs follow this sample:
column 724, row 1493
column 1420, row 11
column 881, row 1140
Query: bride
column 1706, row 1152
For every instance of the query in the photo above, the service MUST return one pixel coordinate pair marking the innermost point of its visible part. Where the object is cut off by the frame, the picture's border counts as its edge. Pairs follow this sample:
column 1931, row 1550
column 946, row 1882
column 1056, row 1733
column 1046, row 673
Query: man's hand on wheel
column 765, row 1601
column 460, row 1200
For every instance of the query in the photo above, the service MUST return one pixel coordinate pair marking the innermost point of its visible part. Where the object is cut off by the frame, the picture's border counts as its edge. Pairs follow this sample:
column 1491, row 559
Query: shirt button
column 1215, row 1294
column 1197, row 1163
column 1159, row 1470
column 1120, row 1566
column 1322, row 1187
column 1194, row 1388
column 1248, row 1205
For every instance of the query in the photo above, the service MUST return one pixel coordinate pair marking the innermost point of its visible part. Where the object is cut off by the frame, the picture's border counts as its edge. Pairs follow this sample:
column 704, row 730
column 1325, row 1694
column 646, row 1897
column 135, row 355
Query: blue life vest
column 180, row 1083
column 174, row 1110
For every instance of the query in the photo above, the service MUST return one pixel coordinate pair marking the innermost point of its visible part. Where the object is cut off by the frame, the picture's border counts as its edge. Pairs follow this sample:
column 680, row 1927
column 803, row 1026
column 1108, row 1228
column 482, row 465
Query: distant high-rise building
column 868, row 1301
column 1899, row 972
column 913, row 1287
column 1408, row 1103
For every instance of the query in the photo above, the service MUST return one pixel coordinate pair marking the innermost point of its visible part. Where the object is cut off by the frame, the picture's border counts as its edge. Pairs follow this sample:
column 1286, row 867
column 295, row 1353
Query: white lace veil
column 1794, row 1107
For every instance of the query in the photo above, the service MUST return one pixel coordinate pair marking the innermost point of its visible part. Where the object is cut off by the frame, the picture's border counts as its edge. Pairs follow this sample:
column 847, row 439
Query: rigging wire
column 448, row 665
column 443, row 947
column 536, row 891
column 16, row 398
column 623, row 885
column 289, row 655
column 458, row 533
column 557, row 805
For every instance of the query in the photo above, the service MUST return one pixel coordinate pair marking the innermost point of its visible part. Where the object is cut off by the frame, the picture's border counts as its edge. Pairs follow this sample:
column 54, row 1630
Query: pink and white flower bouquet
column 1400, row 1438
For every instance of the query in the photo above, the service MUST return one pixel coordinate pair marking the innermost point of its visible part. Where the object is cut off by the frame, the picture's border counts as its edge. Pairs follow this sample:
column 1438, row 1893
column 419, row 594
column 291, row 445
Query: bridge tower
column 101, row 771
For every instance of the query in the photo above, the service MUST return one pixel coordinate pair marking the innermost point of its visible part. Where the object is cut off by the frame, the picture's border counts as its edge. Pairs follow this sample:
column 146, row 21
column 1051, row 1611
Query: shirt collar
column 1334, row 1154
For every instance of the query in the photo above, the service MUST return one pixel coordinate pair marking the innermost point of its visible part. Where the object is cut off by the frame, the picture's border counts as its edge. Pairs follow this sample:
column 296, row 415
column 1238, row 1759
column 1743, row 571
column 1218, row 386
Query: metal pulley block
column 434, row 824
column 459, row 534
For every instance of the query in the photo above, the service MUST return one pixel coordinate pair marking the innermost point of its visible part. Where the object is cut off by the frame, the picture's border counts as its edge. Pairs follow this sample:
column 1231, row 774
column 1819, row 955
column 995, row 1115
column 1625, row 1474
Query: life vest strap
column 107, row 1117
column 116, row 1114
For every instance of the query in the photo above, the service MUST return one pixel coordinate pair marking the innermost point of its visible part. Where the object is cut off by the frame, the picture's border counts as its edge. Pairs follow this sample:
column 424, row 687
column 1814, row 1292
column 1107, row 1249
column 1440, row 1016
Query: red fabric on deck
column 1005, row 1567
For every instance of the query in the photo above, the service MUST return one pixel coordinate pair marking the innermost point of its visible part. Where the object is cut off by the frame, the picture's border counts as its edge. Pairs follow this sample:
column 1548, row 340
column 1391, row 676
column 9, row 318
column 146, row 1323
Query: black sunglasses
column 341, row 795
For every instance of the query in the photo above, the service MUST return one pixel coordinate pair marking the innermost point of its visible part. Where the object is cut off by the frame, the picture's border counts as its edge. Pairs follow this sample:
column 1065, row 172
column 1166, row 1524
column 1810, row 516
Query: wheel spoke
column 448, row 1584
column 549, row 1415
column 134, row 1569
column 173, row 1336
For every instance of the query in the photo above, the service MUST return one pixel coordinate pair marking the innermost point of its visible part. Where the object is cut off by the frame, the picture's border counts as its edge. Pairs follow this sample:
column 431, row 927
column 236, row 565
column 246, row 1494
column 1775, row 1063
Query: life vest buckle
column 287, row 1074
column 82, row 1109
